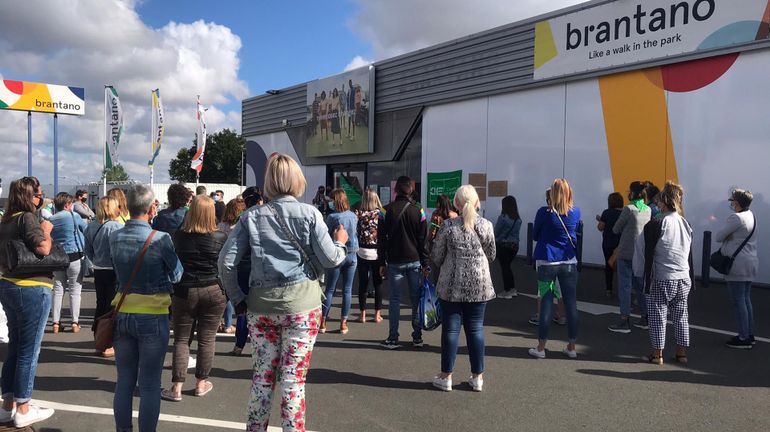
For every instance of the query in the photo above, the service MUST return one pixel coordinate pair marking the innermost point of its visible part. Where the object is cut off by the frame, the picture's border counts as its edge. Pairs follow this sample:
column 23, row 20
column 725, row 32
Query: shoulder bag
column 22, row 260
column 105, row 324
column 722, row 263
column 285, row 228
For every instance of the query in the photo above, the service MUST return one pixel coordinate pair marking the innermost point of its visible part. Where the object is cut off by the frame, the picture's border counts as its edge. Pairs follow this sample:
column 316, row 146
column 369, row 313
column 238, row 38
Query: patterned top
column 464, row 259
column 367, row 228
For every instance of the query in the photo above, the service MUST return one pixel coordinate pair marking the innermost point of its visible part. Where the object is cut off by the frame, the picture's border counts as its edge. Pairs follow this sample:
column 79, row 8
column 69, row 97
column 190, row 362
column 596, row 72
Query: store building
column 601, row 93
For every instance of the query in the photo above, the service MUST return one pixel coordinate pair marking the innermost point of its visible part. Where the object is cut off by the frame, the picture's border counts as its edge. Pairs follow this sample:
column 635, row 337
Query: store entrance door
column 351, row 178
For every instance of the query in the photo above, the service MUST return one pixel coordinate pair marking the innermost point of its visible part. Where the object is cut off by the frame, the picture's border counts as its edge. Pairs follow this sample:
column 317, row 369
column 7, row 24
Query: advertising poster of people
column 338, row 114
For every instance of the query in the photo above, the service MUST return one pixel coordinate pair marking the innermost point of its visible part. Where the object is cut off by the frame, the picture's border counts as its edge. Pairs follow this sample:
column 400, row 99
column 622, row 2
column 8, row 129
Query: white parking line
column 603, row 309
column 221, row 424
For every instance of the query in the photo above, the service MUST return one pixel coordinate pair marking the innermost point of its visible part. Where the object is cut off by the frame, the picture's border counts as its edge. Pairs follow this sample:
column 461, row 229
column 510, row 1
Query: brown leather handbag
column 105, row 324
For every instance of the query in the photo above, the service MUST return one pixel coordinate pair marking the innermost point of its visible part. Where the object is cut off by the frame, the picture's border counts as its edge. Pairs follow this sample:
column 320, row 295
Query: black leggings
column 365, row 269
column 505, row 256
column 609, row 272
column 105, row 284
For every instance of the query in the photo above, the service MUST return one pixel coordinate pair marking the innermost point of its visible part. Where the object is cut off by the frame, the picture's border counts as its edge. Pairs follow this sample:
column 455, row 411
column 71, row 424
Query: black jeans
column 367, row 269
column 505, row 256
column 105, row 285
column 609, row 272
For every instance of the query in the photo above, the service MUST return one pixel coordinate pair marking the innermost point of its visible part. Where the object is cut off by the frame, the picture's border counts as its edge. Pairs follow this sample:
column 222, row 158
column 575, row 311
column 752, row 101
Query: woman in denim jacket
column 142, row 325
column 68, row 229
column 284, row 298
column 341, row 216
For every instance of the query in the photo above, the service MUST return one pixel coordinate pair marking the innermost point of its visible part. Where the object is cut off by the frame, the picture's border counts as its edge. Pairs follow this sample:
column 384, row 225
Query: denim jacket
column 275, row 261
column 161, row 267
column 98, row 242
column 68, row 228
column 349, row 220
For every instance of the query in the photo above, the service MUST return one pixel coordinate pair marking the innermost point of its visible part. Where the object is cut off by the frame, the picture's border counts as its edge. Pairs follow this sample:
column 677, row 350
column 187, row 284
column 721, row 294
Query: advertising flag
column 157, row 125
column 113, row 124
column 197, row 160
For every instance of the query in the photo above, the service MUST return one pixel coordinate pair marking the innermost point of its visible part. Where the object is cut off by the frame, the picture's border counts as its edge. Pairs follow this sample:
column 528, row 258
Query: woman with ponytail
column 463, row 249
column 555, row 232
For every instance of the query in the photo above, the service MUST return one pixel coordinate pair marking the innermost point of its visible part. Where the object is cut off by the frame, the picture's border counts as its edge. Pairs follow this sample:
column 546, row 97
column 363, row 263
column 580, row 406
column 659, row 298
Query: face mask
column 331, row 206
column 39, row 204
column 732, row 206
column 216, row 198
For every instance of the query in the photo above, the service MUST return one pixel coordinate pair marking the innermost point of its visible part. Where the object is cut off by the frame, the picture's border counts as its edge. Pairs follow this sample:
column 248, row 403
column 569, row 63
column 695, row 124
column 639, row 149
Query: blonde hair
column 201, row 218
column 467, row 202
column 671, row 196
column 283, row 177
column 371, row 201
column 561, row 196
column 120, row 197
column 340, row 199
column 107, row 209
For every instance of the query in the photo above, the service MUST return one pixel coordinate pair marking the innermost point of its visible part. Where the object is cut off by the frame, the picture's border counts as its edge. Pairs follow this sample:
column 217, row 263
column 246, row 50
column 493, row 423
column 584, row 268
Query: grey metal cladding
column 265, row 113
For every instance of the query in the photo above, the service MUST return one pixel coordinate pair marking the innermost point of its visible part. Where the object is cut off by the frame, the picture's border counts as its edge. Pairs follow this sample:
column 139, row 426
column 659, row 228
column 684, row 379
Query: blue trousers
column 27, row 310
column 568, row 276
column 626, row 283
column 471, row 317
column 400, row 276
column 740, row 295
column 348, row 272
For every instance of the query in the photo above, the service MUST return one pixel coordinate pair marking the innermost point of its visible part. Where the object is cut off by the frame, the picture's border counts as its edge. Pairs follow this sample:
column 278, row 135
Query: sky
column 224, row 51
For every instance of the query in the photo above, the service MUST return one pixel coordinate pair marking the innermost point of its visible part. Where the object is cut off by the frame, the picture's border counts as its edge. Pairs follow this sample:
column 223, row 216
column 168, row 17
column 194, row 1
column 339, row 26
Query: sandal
column 167, row 394
column 207, row 387
column 681, row 358
column 75, row 328
column 55, row 328
column 658, row 360
column 236, row 351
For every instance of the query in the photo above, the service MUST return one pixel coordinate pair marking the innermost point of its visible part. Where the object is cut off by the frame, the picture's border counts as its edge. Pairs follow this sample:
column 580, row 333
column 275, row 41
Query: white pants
column 3, row 326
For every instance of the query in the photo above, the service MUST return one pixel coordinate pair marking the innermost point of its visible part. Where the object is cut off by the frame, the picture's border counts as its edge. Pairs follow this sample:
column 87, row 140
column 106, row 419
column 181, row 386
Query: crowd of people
column 274, row 264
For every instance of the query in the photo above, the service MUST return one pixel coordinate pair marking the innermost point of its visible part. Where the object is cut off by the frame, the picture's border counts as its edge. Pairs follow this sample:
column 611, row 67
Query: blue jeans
column 348, row 272
column 471, row 316
column 740, row 294
column 27, row 310
column 228, row 316
column 241, row 323
column 141, row 341
column 399, row 275
column 567, row 275
column 626, row 283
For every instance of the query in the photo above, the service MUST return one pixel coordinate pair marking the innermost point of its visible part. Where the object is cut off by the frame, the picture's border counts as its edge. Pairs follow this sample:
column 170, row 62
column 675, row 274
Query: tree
column 221, row 163
column 116, row 174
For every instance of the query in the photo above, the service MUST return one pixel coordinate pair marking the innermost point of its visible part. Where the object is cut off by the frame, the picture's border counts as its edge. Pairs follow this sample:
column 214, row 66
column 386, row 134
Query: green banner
column 443, row 184
column 354, row 197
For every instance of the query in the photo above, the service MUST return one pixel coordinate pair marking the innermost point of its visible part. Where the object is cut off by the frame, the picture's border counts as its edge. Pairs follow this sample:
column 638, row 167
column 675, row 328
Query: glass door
column 351, row 178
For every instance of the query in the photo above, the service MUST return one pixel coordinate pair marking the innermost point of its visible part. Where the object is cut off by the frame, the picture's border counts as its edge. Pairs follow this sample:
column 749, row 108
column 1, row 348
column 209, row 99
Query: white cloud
column 395, row 27
column 90, row 43
column 357, row 62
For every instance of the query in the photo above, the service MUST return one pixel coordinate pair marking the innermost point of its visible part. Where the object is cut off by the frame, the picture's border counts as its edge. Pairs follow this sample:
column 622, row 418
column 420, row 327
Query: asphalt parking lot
column 354, row 385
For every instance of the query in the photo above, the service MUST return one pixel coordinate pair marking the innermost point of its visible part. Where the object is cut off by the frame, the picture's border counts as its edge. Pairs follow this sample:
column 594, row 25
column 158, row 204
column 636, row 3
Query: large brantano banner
column 627, row 32
column 50, row 98
column 157, row 126
column 340, row 114
column 113, row 125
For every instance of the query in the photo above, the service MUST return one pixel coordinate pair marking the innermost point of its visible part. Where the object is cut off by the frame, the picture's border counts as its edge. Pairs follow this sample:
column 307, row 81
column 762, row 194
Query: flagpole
column 104, row 148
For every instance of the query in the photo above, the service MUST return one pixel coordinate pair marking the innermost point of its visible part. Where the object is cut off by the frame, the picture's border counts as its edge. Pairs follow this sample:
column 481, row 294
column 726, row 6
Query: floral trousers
column 283, row 345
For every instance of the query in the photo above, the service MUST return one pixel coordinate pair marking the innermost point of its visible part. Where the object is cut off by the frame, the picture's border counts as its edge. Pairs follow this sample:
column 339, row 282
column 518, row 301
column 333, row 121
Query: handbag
column 105, row 324
column 722, row 263
column 23, row 261
column 314, row 273
column 429, row 309
column 511, row 246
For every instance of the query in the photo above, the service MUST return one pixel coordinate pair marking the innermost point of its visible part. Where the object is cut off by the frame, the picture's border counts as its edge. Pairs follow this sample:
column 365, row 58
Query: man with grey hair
column 144, row 259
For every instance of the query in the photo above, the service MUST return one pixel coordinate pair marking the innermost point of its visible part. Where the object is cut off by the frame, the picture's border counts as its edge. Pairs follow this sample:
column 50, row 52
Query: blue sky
column 281, row 39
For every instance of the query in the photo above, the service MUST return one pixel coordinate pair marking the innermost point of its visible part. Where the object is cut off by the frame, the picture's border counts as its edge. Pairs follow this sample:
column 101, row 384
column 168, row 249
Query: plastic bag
column 429, row 309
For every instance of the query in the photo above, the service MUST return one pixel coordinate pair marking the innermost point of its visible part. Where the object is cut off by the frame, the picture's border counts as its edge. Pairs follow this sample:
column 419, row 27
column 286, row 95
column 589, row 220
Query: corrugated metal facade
column 496, row 61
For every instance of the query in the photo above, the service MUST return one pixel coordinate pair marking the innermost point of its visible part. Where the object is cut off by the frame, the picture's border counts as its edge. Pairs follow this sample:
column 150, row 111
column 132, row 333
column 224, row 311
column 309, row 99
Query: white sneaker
column 191, row 362
column 34, row 415
column 476, row 383
column 571, row 354
column 537, row 354
column 5, row 415
column 505, row 295
column 442, row 383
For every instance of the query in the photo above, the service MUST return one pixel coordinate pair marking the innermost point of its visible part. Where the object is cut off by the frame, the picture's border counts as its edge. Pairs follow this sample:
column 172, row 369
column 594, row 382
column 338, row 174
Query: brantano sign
column 50, row 98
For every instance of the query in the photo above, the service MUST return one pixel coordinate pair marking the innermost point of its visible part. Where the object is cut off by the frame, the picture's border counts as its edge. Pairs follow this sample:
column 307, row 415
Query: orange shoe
column 75, row 328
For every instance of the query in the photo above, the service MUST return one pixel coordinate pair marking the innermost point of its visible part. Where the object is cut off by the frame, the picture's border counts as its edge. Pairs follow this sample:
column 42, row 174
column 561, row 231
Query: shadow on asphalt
column 329, row 376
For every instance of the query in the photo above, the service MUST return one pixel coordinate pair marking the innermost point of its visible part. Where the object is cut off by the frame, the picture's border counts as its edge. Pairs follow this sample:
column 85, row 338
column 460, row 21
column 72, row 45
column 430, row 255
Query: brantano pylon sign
column 39, row 97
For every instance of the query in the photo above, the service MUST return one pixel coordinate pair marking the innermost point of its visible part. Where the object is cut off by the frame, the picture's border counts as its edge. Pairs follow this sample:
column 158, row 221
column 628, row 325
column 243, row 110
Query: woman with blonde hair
column 341, row 216
column 120, row 196
column 97, row 249
column 668, row 273
column 555, row 231
column 368, row 266
column 464, row 247
column 290, row 245
column 198, row 297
